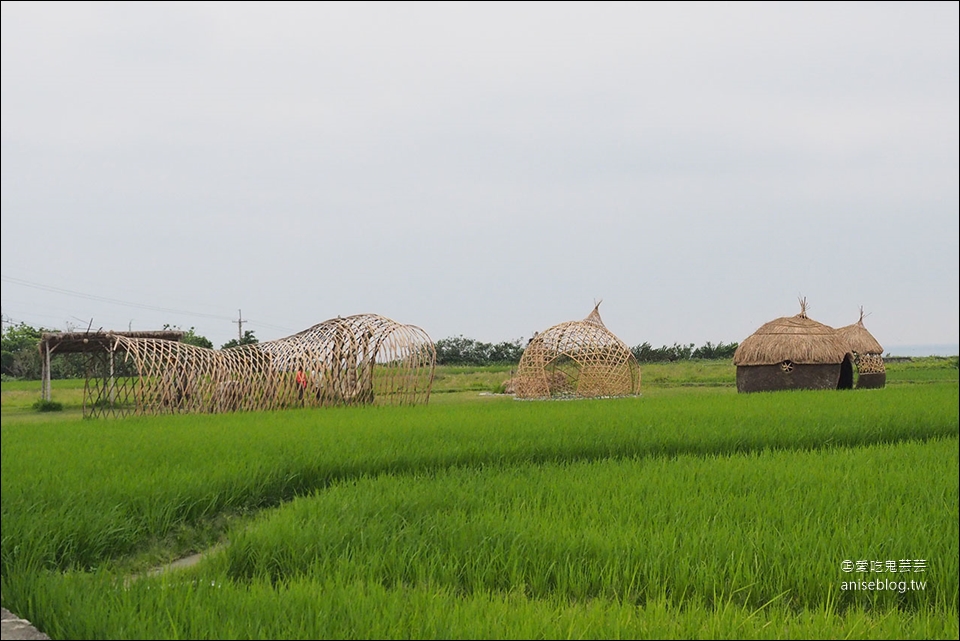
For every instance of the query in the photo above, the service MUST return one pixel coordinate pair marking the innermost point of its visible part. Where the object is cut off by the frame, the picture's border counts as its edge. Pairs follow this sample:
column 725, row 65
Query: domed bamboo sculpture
column 357, row 360
column 577, row 359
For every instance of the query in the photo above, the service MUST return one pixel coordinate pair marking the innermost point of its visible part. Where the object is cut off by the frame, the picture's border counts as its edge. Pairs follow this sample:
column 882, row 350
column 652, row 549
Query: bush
column 48, row 406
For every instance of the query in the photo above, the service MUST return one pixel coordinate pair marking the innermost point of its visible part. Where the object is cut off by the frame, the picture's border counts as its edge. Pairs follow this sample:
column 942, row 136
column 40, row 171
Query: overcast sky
column 480, row 169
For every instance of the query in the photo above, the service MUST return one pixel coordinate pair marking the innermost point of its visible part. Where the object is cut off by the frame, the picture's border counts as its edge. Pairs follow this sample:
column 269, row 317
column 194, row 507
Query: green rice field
column 689, row 511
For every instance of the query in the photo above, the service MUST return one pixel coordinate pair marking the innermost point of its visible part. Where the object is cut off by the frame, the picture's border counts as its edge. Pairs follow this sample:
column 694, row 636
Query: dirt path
column 14, row 628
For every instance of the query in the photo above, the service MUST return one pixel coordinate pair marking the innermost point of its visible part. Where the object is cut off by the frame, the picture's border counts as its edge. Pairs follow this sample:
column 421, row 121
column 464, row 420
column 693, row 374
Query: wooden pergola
column 88, row 343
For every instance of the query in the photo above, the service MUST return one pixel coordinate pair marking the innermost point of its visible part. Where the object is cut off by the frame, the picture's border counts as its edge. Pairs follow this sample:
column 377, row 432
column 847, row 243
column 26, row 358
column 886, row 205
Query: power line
column 60, row 290
column 114, row 301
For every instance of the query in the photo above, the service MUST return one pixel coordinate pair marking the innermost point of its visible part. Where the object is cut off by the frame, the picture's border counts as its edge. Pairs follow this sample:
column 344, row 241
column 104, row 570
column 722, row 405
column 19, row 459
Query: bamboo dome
column 793, row 352
column 867, row 354
column 357, row 360
column 577, row 359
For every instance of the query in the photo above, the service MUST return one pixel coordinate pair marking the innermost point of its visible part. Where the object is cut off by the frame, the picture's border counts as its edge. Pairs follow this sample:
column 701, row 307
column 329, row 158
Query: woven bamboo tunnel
column 358, row 360
column 577, row 359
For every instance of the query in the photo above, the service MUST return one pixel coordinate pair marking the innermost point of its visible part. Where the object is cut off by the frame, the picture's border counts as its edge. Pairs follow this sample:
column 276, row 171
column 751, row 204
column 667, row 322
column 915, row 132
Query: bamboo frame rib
column 577, row 359
column 358, row 360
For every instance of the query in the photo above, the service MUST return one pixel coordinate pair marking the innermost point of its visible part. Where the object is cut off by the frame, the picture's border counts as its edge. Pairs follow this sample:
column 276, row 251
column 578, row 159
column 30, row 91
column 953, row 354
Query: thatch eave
column 859, row 339
column 798, row 339
column 78, row 342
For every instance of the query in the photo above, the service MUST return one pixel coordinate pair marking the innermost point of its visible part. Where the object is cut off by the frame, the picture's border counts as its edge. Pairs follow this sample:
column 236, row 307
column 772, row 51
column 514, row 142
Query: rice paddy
column 687, row 512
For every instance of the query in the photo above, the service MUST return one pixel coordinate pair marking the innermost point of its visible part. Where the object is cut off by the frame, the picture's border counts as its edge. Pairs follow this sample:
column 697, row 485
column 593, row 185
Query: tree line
column 645, row 353
column 21, row 356
column 458, row 350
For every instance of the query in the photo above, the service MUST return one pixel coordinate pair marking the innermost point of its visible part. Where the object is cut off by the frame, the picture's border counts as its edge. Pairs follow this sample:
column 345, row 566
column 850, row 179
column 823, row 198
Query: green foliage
column 48, row 406
column 721, row 350
column 190, row 337
column 20, row 337
column 19, row 356
column 247, row 339
column 646, row 353
column 457, row 350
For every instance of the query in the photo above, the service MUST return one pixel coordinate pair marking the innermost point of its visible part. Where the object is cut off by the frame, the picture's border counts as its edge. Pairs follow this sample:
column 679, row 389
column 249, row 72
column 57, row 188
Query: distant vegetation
column 645, row 353
column 461, row 351
column 458, row 350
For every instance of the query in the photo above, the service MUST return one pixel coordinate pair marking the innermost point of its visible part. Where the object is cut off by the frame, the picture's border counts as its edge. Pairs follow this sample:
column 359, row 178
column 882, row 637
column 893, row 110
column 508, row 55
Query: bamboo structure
column 577, row 359
column 793, row 352
column 357, row 360
column 97, row 345
column 867, row 355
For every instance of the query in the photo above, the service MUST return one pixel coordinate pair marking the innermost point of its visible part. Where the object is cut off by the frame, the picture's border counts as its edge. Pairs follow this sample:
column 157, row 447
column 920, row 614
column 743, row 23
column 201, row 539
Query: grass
column 753, row 522
column 689, row 512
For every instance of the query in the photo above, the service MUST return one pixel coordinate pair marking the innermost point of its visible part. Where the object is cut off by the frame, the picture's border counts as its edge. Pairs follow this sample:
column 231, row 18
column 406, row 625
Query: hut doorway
column 846, row 373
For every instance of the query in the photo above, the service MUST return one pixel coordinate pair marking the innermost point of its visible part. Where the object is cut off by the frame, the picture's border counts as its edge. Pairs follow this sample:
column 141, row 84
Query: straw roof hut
column 577, row 359
column 867, row 355
column 794, row 352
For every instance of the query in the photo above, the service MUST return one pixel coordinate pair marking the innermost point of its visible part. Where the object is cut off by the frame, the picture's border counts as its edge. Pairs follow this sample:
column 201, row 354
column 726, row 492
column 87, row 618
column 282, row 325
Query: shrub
column 48, row 406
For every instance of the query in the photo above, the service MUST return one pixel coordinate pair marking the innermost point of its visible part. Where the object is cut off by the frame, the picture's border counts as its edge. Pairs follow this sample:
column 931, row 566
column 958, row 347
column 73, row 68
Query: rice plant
column 698, row 513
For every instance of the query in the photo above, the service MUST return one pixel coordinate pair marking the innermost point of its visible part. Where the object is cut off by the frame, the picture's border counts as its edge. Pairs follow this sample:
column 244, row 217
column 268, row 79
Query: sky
column 485, row 170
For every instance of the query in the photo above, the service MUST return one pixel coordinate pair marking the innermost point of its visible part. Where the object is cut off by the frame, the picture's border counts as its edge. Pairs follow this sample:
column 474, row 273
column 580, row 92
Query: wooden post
column 46, row 372
column 112, row 391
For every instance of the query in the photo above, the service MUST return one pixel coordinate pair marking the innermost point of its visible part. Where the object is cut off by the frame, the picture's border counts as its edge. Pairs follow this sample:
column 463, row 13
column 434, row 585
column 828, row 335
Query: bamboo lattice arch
column 357, row 360
column 577, row 359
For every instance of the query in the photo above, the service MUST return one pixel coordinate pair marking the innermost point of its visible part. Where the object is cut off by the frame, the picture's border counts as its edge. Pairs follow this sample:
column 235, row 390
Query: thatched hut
column 867, row 355
column 794, row 352
column 577, row 359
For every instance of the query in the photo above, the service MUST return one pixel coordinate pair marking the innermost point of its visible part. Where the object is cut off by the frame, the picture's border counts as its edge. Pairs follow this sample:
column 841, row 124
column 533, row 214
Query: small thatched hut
column 577, row 359
column 867, row 355
column 793, row 352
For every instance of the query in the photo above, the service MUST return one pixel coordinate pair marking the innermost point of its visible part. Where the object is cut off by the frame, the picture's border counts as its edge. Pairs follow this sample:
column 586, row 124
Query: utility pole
column 239, row 323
